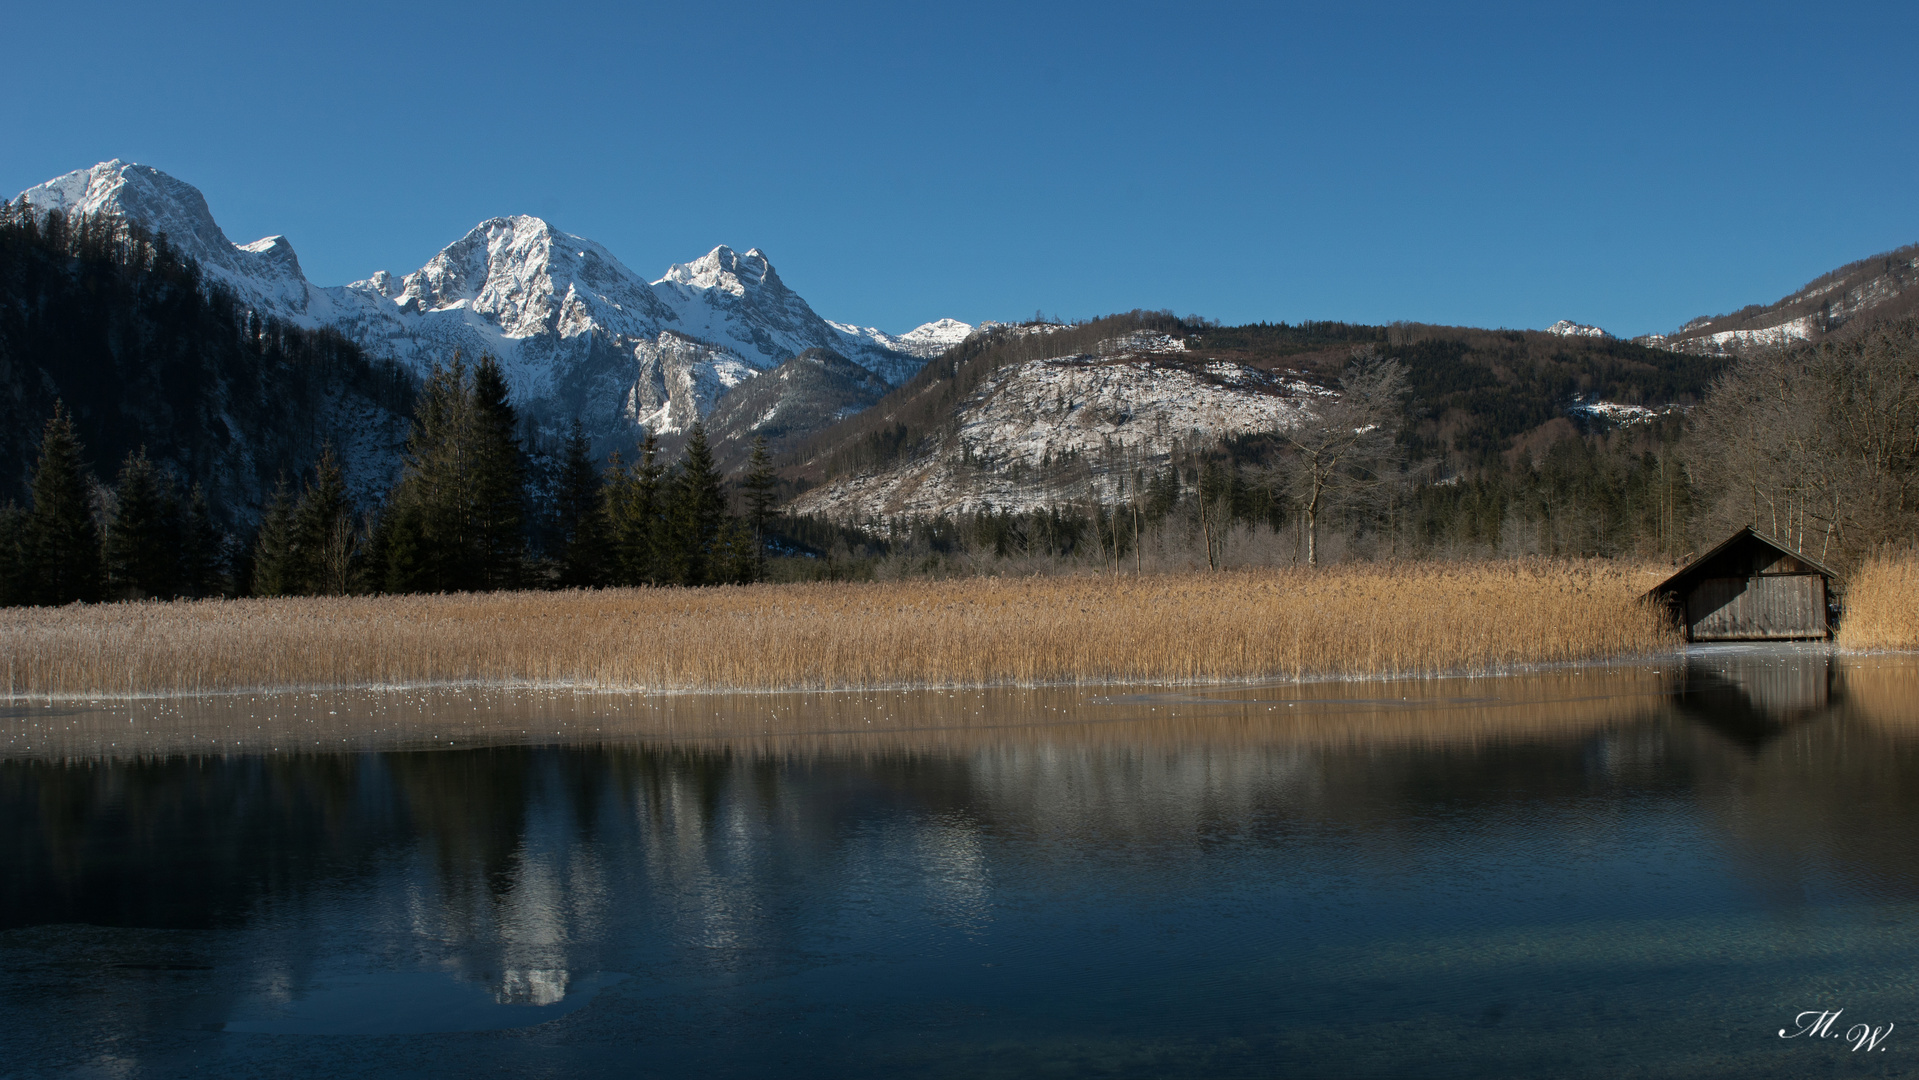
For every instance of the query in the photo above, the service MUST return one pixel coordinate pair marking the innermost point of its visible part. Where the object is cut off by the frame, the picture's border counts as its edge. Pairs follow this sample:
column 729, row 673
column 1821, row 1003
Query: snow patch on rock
column 1568, row 328
column 1048, row 432
column 1800, row 329
column 1618, row 414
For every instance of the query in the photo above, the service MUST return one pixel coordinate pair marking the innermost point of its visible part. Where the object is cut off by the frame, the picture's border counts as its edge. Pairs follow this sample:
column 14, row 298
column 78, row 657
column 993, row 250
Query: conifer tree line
column 149, row 539
column 461, row 516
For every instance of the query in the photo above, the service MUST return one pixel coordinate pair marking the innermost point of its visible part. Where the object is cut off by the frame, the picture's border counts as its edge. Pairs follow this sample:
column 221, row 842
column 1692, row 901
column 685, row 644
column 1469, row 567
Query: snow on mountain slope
column 925, row 341
column 560, row 313
column 1882, row 287
column 1801, row 329
column 577, row 332
column 1052, row 431
column 800, row 397
column 680, row 380
column 739, row 303
column 264, row 274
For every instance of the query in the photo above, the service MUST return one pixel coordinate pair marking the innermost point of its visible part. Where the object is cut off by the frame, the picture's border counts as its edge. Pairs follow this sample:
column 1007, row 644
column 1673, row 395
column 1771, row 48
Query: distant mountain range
column 578, row 333
column 1012, row 417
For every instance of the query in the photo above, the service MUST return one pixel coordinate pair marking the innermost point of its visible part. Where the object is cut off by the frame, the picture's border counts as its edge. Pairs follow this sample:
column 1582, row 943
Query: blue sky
column 1495, row 165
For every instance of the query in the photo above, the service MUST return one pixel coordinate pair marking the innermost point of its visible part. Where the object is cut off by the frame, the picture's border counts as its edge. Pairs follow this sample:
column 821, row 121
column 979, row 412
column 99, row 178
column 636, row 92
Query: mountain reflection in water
column 1578, row 873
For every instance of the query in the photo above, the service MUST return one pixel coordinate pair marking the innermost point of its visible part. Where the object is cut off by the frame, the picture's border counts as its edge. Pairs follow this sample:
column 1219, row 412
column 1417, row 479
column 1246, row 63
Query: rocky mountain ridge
column 1881, row 287
column 578, row 333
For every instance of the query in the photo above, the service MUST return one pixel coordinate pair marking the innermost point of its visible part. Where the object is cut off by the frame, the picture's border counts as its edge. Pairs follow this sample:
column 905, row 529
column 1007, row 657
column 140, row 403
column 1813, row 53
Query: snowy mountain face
column 1049, row 432
column 1884, row 286
column 264, row 274
column 577, row 332
column 925, row 341
column 807, row 394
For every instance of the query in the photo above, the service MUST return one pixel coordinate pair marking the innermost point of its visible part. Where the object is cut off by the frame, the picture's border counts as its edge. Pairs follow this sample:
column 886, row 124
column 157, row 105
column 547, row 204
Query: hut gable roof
column 1742, row 554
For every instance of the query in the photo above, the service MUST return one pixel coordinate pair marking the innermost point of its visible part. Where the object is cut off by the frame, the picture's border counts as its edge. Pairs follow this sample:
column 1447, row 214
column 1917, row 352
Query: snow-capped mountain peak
column 524, row 274
column 277, row 252
column 136, row 192
column 942, row 334
column 381, row 282
column 924, row 341
column 725, row 270
column 265, row 274
column 579, row 334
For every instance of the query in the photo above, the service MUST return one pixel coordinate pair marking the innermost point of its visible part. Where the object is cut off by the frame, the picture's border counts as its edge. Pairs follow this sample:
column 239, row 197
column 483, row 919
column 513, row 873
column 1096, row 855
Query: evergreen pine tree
column 761, row 488
column 143, row 538
column 322, row 530
column 456, row 518
column 62, row 549
column 393, row 548
column 13, row 537
column 202, row 549
column 499, row 482
column 425, row 531
column 581, row 515
column 738, row 560
column 698, row 511
column 636, row 502
column 275, row 563
column 616, row 481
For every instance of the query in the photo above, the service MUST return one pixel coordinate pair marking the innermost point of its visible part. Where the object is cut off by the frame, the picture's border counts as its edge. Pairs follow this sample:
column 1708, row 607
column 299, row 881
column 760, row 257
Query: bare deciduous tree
column 1348, row 448
column 1818, row 445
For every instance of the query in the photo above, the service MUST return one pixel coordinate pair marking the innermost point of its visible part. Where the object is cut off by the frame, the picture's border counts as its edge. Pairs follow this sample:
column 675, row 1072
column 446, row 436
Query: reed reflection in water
column 1574, row 874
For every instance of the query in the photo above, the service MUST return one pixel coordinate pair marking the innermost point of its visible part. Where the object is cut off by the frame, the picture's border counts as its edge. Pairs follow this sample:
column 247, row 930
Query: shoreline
column 1235, row 683
column 1583, row 698
column 1683, row 651
column 1135, row 716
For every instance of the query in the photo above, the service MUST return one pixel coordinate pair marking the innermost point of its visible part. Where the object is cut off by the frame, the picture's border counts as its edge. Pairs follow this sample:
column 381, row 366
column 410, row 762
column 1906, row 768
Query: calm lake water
column 1640, row 870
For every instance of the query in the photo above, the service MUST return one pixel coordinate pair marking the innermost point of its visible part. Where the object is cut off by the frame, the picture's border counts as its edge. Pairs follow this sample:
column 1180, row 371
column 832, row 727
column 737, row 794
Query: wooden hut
column 1749, row 589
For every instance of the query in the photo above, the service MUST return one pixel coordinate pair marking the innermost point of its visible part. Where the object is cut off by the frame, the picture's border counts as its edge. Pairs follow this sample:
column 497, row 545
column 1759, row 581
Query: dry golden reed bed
column 1882, row 605
column 1363, row 620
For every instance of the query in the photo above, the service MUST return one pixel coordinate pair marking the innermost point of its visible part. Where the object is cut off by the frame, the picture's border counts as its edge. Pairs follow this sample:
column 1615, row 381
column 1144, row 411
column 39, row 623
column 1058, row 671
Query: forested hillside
column 111, row 320
column 1500, row 441
column 1473, row 392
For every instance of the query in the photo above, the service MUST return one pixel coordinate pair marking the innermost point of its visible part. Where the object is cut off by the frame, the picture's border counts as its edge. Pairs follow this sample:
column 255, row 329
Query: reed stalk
column 1882, row 605
column 1364, row 620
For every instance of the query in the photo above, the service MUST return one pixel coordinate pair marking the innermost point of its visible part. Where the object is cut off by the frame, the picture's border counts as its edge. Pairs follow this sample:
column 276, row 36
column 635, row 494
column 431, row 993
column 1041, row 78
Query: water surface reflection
column 1581, row 873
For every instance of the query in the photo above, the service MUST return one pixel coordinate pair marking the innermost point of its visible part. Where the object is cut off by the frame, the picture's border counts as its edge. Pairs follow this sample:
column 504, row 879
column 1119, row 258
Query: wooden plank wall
column 1772, row 606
